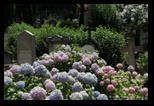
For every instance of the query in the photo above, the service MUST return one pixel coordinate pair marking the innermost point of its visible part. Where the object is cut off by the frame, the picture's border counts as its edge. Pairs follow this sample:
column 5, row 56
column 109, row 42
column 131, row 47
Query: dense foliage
column 106, row 15
column 109, row 41
column 142, row 62
column 68, row 74
column 134, row 16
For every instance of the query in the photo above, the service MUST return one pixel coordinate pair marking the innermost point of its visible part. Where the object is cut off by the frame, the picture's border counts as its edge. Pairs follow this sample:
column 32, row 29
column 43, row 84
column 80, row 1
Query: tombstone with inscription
column 56, row 42
column 131, row 49
column 89, row 44
column 26, row 52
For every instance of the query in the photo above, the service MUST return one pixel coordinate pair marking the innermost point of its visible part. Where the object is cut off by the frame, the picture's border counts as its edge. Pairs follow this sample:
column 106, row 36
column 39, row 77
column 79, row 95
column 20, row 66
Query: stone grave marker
column 26, row 52
column 56, row 42
column 7, row 60
column 131, row 49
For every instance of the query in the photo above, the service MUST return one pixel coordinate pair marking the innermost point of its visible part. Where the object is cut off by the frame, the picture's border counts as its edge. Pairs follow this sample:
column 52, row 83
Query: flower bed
column 70, row 75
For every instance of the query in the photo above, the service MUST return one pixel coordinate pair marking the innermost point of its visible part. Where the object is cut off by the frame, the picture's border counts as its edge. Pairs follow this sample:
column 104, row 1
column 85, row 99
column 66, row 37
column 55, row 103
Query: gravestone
column 89, row 44
column 26, row 52
column 7, row 60
column 88, row 49
column 56, row 42
column 131, row 49
column 7, row 57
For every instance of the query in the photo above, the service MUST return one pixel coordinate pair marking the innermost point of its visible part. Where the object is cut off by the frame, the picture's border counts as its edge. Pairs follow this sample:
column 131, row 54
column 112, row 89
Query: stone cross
column 89, row 44
column 89, row 29
column 131, row 49
column 26, row 52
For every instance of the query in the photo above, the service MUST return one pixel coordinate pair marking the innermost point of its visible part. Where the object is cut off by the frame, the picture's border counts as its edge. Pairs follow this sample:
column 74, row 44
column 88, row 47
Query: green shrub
column 67, row 23
column 109, row 41
column 142, row 62
column 106, row 15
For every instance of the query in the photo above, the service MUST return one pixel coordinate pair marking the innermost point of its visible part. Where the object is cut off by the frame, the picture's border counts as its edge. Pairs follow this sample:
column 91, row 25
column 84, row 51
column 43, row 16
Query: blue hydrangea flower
column 90, row 78
column 26, row 96
column 86, row 61
column 48, row 75
column 94, row 67
column 20, row 84
column 36, row 63
column 102, row 97
column 96, row 93
column 82, row 68
column 56, row 95
column 130, row 68
column 77, row 87
column 41, row 69
column 26, row 68
column 71, row 79
column 62, row 76
column 76, row 96
column 44, row 56
column 68, row 48
column 63, row 46
column 84, row 95
column 7, row 81
column 80, row 76
column 94, row 56
column 8, row 73
column 65, row 58
column 57, row 57
column 76, row 65
column 73, row 72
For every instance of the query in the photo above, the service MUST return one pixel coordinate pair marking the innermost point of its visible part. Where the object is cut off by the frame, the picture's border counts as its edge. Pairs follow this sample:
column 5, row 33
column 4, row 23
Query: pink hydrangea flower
column 146, row 76
column 138, row 76
column 125, row 89
column 144, row 91
column 100, row 72
column 131, row 90
column 106, row 75
column 107, row 80
column 114, row 82
column 136, row 88
column 38, row 93
column 119, row 65
column 107, row 68
column 110, row 88
column 50, row 85
column 101, row 83
column 134, row 73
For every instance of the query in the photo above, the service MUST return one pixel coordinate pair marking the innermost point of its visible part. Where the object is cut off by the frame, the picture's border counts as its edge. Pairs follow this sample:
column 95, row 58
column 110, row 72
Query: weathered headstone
column 56, row 42
column 7, row 60
column 26, row 52
column 88, row 49
column 131, row 49
column 7, row 57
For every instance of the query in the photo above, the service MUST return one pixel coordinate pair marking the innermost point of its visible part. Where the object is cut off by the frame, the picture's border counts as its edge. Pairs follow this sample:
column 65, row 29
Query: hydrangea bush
column 68, row 74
